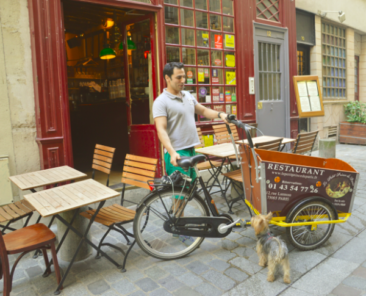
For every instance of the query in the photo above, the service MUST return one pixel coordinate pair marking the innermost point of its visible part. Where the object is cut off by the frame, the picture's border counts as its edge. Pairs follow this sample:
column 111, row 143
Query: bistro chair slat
column 105, row 148
column 16, row 209
column 146, row 173
column 105, row 153
column 11, row 212
column 5, row 214
column 135, row 164
column 102, row 163
column 135, row 183
column 103, row 158
column 141, row 159
column 100, row 168
column 22, row 207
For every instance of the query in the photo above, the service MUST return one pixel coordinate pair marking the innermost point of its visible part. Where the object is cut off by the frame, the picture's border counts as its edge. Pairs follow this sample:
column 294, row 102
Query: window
column 268, row 10
column 269, row 72
column 201, row 34
column 334, row 61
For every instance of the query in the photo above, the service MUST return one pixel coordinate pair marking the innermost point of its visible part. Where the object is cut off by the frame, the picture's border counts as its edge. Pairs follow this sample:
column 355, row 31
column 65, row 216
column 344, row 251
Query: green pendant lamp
column 107, row 53
column 130, row 44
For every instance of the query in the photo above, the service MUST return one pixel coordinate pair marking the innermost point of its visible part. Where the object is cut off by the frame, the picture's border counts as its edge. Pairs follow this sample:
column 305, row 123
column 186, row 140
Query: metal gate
column 272, row 80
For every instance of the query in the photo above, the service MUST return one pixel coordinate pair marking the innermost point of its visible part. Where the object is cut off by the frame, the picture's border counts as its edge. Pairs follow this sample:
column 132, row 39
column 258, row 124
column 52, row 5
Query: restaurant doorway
column 110, row 70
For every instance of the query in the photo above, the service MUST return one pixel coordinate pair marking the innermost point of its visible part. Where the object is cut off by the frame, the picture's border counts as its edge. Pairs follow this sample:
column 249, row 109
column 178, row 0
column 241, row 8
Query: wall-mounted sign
column 308, row 96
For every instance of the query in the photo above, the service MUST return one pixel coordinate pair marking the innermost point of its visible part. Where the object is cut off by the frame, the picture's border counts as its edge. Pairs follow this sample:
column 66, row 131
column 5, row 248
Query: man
column 173, row 112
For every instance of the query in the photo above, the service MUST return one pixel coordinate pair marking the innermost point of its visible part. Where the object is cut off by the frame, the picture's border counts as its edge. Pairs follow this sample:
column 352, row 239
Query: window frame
column 325, row 36
column 210, row 86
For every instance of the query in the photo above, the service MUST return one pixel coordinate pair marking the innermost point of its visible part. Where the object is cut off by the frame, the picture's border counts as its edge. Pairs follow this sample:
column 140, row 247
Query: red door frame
column 50, row 76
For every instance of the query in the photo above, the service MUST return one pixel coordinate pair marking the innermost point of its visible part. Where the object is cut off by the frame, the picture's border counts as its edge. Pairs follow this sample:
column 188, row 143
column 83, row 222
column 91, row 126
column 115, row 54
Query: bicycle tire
column 152, row 238
column 310, row 237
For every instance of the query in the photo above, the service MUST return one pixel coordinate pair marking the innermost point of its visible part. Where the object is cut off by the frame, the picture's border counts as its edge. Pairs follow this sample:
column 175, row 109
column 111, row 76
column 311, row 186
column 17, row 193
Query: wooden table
column 224, row 151
column 57, row 200
column 220, row 150
column 261, row 139
column 29, row 181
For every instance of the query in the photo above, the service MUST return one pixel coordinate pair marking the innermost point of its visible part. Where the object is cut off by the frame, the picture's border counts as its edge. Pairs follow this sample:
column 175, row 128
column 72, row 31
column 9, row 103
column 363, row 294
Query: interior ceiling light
column 109, row 23
column 107, row 53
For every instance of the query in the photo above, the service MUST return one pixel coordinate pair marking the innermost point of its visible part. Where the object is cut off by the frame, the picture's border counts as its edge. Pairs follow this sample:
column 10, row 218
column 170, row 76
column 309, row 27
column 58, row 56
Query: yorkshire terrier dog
column 270, row 249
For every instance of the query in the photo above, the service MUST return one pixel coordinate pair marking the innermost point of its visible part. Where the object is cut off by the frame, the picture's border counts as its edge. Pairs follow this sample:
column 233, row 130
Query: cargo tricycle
column 307, row 195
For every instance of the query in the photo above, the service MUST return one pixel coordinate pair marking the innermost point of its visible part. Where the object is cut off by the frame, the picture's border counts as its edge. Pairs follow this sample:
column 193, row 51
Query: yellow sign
column 201, row 77
column 260, row 105
column 231, row 77
column 204, row 36
column 229, row 41
column 269, row 33
column 230, row 60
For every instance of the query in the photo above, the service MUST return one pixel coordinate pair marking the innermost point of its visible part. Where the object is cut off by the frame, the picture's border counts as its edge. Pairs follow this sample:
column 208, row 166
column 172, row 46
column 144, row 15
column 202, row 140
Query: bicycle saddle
column 186, row 162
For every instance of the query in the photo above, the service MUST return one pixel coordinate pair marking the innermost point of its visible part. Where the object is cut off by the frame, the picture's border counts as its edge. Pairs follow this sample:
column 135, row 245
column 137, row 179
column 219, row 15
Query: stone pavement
column 226, row 266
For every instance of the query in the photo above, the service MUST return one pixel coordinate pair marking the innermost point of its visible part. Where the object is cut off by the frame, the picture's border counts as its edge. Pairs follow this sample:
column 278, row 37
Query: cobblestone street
column 226, row 266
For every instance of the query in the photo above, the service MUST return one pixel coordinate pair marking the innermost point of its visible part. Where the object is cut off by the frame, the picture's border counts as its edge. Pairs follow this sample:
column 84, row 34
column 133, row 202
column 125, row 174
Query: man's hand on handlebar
column 173, row 158
column 224, row 116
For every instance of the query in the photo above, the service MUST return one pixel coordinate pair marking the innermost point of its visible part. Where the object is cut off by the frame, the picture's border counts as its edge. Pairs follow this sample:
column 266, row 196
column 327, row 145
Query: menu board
column 308, row 96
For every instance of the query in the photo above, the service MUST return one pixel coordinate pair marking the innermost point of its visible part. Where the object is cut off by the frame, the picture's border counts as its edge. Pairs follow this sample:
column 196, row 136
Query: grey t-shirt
column 181, row 125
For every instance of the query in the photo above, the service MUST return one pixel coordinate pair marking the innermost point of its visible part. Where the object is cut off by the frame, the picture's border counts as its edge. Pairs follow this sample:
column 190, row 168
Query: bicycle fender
column 308, row 199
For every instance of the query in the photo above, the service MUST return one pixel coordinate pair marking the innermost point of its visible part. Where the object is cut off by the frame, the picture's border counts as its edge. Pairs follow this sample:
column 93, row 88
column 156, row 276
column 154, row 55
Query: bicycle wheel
column 309, row 237
column 149, row 221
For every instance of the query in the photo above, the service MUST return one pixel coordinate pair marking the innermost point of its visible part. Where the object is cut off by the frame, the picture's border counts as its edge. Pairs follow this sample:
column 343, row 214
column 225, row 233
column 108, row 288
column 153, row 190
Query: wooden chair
column 274, row 145
column 15, row 211
column 137, row 171
column 305, row 142
column 206, row 165
column 25, row 240
column 102, row 160
column 200, row 136
column 222, row 135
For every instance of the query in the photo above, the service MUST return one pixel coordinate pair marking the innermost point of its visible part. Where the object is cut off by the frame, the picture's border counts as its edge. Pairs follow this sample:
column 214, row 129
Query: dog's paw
column 270, row 278
column 287, row 280
column 262, row 264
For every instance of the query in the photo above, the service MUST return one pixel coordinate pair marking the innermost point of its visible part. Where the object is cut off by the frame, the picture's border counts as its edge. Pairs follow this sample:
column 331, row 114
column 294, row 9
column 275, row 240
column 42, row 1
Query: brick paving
column 226, row 266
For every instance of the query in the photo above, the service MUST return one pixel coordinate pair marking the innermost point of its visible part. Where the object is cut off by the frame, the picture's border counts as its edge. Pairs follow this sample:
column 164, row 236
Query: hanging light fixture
column 130, row 44
column 107, row 53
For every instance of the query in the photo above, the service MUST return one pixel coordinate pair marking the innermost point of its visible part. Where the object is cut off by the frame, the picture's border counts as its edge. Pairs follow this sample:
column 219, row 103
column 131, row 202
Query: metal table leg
column 83, row 239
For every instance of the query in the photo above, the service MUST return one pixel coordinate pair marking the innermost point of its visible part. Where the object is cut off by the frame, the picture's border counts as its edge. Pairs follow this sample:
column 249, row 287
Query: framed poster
column 308, row 96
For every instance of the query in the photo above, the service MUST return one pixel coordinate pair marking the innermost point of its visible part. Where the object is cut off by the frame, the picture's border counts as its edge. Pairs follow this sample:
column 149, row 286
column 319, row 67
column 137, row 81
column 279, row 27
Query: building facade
column 240, row 57
column 335, row 52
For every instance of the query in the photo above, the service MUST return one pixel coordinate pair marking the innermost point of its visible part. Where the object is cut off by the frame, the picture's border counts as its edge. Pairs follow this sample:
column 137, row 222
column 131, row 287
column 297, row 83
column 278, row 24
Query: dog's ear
column 269, row 216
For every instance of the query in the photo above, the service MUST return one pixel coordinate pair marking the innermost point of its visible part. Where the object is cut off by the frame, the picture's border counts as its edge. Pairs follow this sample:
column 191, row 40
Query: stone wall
column 17, row 112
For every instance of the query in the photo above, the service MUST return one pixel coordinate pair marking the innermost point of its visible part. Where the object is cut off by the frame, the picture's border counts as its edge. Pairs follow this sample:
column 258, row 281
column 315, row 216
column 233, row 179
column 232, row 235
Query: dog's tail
column 282, row 251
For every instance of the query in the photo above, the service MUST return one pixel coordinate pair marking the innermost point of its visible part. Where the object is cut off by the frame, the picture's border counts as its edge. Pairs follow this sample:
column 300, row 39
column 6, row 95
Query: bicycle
column 173, row 220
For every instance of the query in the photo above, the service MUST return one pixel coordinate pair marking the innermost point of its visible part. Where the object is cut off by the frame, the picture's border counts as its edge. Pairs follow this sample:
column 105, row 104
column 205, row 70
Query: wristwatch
column 218, row 115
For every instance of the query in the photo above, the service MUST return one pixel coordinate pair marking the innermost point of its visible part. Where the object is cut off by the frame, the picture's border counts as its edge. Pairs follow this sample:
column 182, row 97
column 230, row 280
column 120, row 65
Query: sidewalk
column 226, row 266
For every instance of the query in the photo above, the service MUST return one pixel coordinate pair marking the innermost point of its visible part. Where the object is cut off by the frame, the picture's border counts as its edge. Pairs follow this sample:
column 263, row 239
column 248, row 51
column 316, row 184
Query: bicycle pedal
column 242, row 223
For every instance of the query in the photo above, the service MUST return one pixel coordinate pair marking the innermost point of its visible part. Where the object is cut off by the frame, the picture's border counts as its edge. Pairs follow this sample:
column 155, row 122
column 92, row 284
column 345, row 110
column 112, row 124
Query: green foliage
column 355, row 112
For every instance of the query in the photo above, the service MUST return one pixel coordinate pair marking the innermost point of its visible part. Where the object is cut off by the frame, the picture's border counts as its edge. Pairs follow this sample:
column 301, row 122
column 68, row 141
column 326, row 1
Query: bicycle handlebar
column 231, row 119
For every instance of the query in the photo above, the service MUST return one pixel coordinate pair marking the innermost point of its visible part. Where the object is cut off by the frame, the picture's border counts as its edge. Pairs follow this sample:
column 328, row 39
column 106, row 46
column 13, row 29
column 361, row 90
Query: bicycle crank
column 200, row 226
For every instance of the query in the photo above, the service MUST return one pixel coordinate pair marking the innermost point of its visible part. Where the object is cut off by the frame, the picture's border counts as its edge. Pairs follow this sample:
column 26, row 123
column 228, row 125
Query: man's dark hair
column 169, row 68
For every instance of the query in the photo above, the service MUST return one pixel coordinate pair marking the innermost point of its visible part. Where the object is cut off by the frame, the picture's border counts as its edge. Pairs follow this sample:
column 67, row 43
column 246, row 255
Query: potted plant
column 353, row 131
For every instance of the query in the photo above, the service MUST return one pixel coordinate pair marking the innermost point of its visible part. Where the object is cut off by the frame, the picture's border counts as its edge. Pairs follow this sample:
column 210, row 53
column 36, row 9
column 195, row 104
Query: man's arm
column 209, row 113
column 161, row 126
